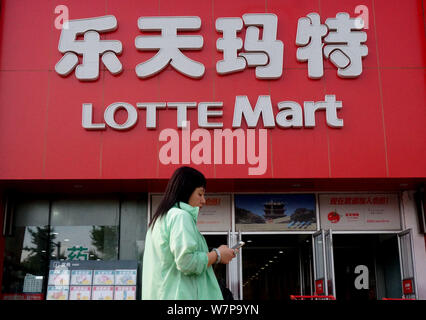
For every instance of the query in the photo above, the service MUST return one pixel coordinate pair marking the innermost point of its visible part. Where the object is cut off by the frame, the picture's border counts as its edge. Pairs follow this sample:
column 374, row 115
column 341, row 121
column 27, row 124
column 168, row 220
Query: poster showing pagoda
column 275, row 212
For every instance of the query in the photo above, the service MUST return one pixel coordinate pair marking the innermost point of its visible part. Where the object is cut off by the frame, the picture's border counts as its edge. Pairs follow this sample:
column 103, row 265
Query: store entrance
column 276, row 266
column 366, row 266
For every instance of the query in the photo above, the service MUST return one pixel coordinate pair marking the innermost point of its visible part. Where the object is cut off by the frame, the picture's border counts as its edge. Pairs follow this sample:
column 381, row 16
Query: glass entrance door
column 407, row 264
column 320, row 275
column 273, row 266
column 323, row 263
column 367, row 266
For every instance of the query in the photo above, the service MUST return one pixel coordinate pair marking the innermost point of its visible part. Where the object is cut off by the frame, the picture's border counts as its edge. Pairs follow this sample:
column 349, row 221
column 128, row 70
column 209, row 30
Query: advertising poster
column 33, row 284
column 215, row 215
column 102, row 292
column 57, row 293
column 81, row 277
column 359, row 211
column 125, row 293
column 125, row 277
column 275, row 212
column 103, row 277
column 80, row 292
column 59, row 277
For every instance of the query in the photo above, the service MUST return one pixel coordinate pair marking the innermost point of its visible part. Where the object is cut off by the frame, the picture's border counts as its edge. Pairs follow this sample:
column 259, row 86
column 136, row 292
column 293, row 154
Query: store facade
column 306, row 117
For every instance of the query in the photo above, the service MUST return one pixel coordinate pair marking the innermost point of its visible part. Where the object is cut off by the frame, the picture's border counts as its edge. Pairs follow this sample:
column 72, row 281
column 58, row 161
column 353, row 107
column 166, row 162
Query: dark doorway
column 275, row 266
column 366, row 266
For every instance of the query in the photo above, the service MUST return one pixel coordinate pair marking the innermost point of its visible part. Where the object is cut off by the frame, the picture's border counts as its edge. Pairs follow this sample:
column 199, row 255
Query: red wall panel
column 23, row 103
column 2, row 238
column 400, row 33
column 405, row 114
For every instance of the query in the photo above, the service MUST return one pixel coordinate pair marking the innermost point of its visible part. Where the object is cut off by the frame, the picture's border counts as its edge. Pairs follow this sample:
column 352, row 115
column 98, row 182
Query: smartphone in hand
column 238, row 245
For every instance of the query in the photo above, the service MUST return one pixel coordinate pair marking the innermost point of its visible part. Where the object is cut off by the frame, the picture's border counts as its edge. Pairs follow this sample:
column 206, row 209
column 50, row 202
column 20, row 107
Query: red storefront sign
column 47, row 120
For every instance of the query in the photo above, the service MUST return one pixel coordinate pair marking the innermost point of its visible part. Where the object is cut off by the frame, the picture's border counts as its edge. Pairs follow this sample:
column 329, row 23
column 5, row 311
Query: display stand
column 93, row 280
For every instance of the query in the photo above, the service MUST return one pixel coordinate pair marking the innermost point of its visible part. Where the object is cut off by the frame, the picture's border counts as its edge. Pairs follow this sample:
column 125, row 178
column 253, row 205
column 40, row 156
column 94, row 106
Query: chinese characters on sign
column 339, row 40
column 359, row 200
column 169, row 45
column 360, row 211
column 342, row 45
column 78, row 253
column 266, row 54
column 90, row 48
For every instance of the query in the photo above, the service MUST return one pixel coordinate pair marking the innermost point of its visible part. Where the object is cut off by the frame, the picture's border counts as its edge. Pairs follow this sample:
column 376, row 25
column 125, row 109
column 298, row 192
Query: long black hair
column 179, row 188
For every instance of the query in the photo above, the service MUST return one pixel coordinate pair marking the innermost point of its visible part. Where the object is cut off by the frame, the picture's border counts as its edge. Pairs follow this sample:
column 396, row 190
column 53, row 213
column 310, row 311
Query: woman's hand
column 226, row 254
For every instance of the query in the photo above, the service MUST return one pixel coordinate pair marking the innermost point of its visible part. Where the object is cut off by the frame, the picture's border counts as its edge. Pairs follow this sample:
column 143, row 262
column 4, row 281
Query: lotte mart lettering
column 290, row 113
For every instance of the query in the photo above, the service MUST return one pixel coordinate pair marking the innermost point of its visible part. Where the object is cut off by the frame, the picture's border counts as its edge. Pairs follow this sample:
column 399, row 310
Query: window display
column 71, row 228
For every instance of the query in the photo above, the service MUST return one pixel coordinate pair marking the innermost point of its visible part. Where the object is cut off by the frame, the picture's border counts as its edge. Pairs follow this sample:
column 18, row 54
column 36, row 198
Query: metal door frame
column 330, row 264
column 325, row 284
column 408, row 232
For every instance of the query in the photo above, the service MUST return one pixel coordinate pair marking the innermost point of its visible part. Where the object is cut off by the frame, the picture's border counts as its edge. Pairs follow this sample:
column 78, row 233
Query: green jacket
column 175, row 259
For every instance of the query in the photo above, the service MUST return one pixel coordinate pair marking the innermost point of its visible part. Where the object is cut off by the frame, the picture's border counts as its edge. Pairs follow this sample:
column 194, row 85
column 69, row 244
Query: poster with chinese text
column 125, row 277
column 102, row 292
column 359, row 211
column 103, row 277
column 59, row 277
column 125, row 293
column 57, row 293
column 81, row 277
column 80, row 292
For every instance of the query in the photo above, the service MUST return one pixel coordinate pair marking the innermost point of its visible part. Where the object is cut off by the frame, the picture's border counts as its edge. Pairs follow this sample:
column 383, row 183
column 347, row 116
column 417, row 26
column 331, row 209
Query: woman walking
column 176, row 262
